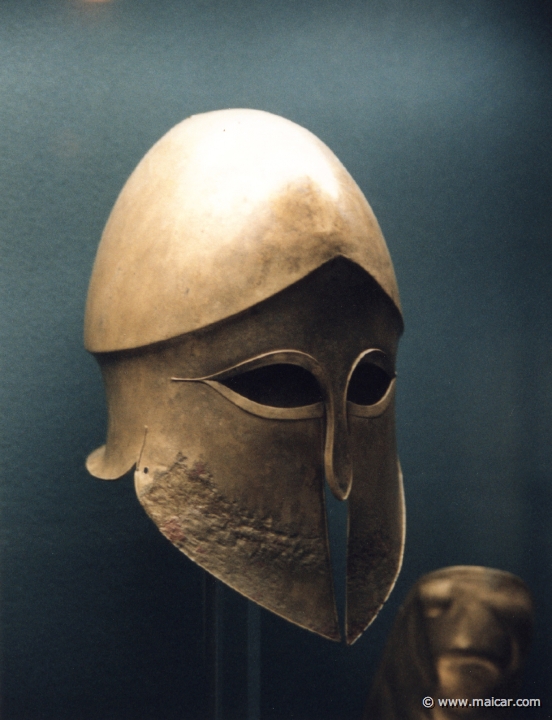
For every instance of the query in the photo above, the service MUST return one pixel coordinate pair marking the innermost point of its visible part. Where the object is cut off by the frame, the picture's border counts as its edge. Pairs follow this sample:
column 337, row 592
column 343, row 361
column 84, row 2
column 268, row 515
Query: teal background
column 442, row 112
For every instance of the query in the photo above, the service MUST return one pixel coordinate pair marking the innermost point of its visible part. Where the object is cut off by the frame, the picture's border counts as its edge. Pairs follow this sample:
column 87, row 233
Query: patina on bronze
column 463, row 632
column 245, row 315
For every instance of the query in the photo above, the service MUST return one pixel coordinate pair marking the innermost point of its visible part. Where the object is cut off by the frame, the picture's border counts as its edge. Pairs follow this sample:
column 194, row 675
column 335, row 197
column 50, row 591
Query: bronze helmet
column 245, row 314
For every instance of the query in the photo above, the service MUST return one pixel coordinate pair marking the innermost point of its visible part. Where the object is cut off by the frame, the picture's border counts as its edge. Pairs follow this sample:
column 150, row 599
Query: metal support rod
column 253, row 661
column 212, row 634
column 232, row 653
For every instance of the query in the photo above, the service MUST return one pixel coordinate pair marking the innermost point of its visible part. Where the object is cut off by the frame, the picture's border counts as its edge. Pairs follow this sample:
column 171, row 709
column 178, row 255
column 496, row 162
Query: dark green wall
column 442, row 111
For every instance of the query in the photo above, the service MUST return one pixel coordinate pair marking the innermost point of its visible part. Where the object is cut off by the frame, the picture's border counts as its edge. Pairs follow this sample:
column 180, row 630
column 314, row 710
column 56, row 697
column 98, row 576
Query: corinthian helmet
column 245, row 315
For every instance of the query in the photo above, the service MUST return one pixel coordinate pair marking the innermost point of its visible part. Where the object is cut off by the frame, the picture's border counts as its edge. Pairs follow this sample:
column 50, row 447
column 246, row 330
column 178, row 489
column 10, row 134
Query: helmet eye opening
column 368, row 384
column 283, row 385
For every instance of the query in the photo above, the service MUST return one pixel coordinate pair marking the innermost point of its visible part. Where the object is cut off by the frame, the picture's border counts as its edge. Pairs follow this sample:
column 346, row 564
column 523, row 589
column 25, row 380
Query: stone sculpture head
column 463, row 632
column 245, row 315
